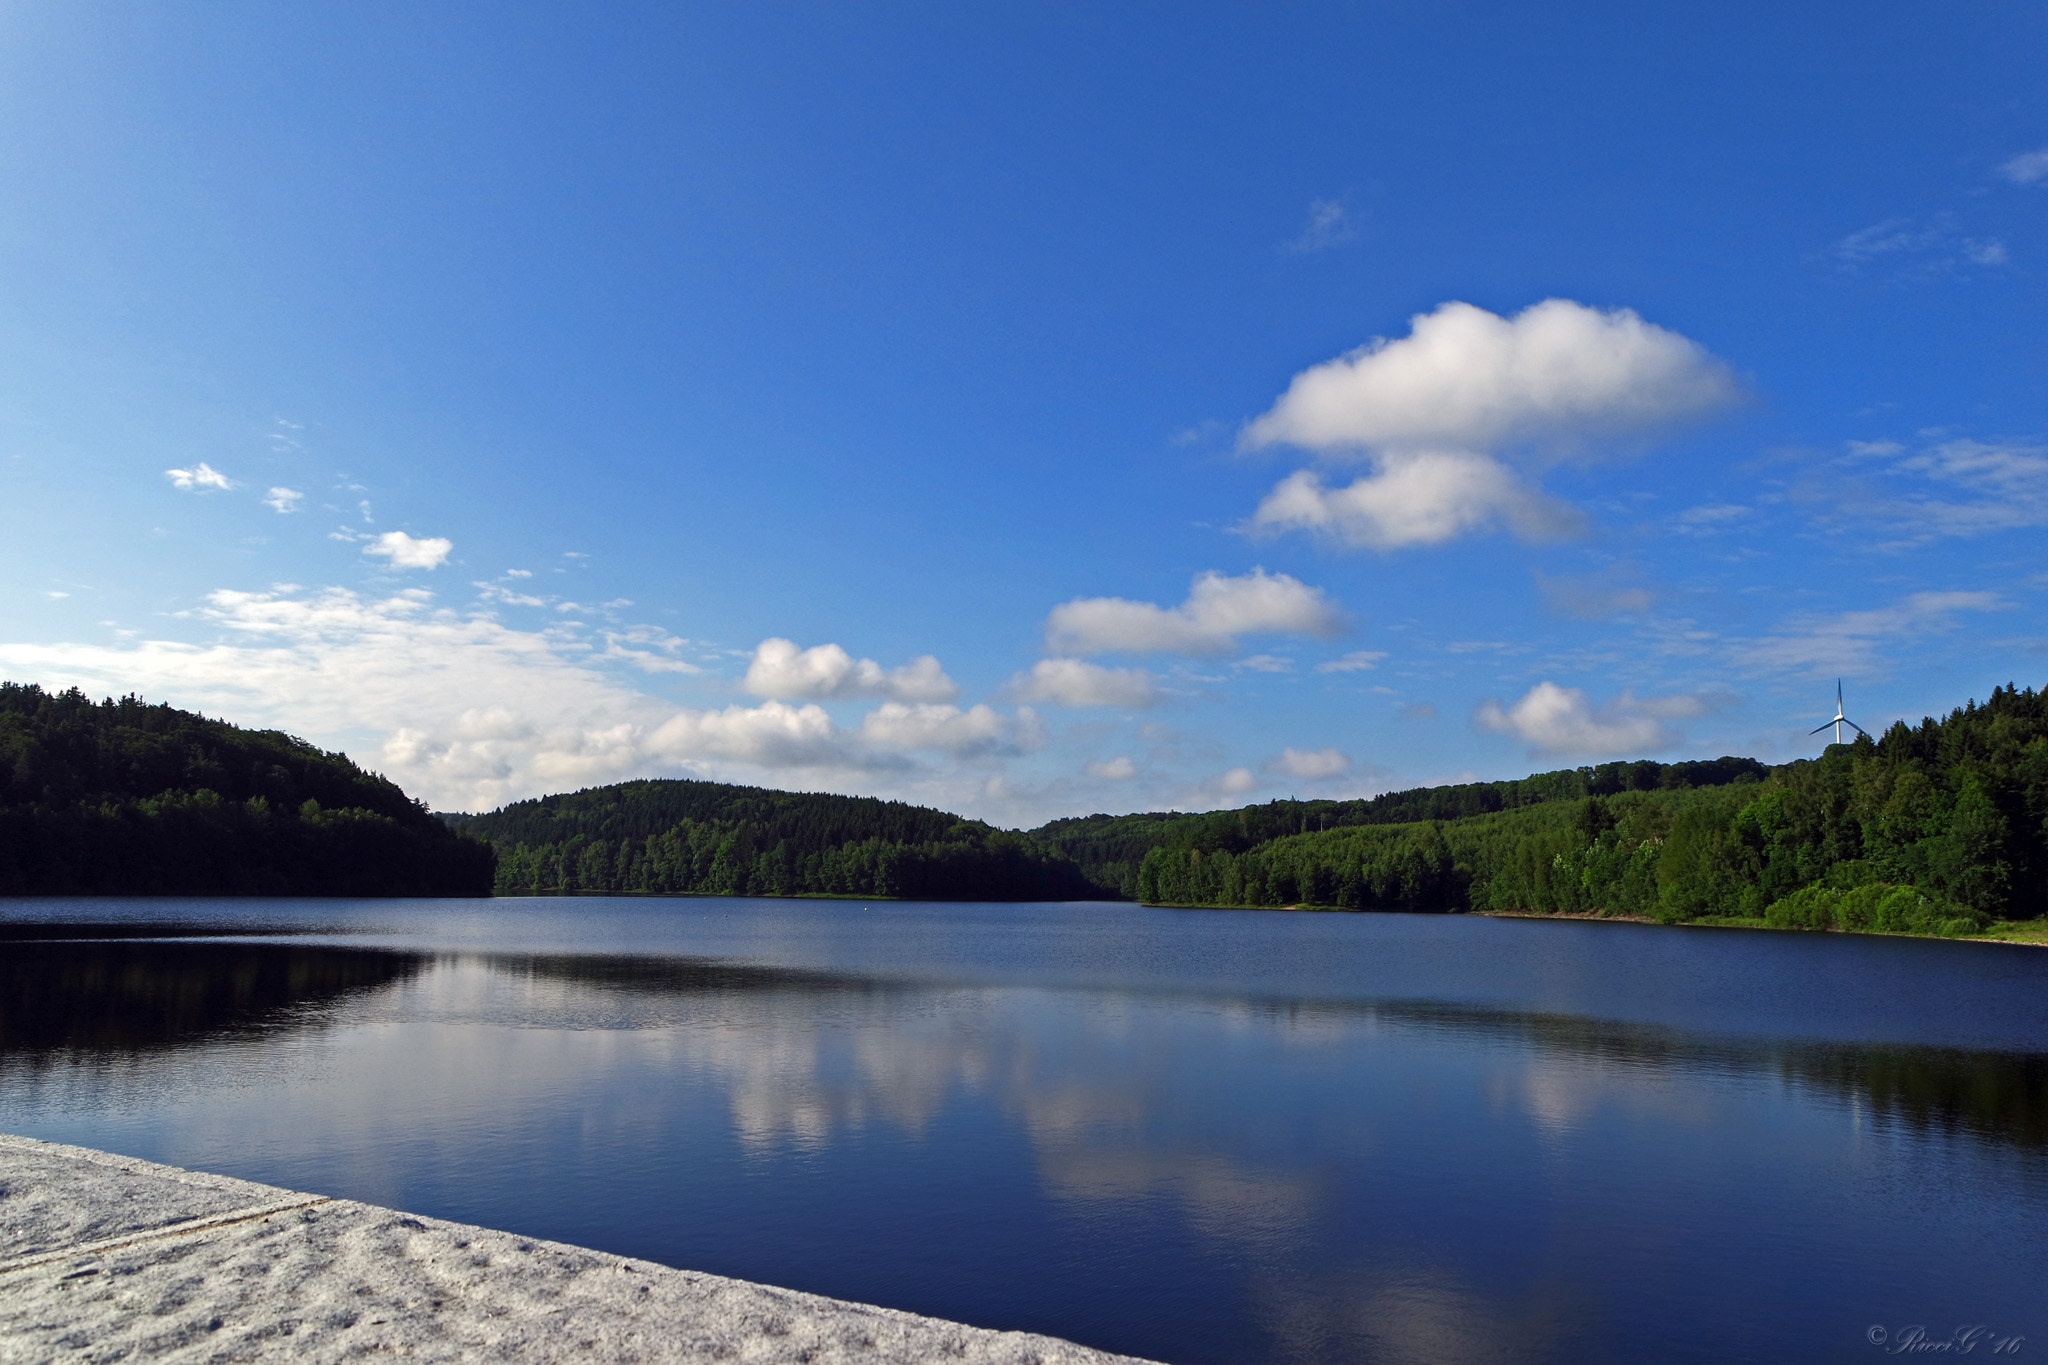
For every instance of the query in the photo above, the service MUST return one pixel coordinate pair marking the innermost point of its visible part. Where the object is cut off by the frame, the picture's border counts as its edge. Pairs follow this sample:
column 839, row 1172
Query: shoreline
column 141, row 1261
column 2036, row 930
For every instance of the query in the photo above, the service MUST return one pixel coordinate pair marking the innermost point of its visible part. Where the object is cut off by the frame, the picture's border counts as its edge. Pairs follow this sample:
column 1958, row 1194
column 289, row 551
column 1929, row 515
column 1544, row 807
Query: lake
column 1197, row 1136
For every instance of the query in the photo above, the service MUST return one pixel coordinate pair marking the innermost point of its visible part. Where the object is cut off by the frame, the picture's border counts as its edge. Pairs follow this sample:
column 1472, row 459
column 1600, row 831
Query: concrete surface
column 104, row 1258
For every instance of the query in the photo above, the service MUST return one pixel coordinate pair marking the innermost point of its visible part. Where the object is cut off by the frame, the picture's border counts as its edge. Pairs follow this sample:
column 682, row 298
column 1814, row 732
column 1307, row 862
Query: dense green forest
column 1110, row 848
column 1935, row 828
column 119, row 797
column 707, row 838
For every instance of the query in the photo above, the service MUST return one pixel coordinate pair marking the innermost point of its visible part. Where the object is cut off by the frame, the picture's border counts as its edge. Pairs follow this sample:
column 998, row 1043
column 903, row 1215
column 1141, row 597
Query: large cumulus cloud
column 1455, row 419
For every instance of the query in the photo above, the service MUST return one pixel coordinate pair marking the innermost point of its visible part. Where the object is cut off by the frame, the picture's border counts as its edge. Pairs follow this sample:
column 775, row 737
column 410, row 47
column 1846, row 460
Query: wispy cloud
column 283, row 499
column 1614, row 591
column 1357, row 661
column 1329, row 224
column 1227, row 788
column 1909, row 247
column 1852, row 642
column 1953, row 488
column 2028, row 168
column 1711, row 518
column 201, row 475
column 1309, row 764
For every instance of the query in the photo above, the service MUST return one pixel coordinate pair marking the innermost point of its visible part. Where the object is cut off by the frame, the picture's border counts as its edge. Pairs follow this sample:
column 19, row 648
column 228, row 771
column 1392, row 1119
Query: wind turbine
column 1840, row 720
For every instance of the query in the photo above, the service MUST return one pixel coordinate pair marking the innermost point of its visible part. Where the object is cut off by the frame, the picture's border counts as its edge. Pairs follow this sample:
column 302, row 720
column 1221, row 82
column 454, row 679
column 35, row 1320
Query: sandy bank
column 105, row 1258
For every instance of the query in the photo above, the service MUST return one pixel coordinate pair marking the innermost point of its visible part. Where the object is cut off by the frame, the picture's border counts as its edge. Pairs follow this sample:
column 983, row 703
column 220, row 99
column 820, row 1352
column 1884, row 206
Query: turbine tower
column 1840, row 720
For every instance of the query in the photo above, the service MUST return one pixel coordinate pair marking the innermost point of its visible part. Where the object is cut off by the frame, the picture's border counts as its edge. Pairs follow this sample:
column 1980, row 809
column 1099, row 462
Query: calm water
column 1199, row 1136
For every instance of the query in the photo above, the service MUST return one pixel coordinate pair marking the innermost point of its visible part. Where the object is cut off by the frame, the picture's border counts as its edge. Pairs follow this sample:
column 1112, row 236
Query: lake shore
column 2026, row 933
column 161, row 1263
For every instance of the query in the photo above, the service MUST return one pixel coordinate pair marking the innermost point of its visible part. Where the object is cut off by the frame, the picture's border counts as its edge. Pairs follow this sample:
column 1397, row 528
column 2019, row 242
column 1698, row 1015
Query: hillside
column 125, row 798
column 1111, row 848
column 708, row 838
column 1935, row 828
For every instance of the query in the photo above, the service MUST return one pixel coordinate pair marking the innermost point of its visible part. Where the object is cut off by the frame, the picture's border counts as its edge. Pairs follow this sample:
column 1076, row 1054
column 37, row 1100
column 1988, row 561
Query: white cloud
column 1565, row 721
column 2003, row 486
column 283, row 499
column 1416, row 499
column 1226, row 788
column 1309, row 764
column 1265, row 663
column 1592, row 597
column 1849, row 642
column 823, row 672
column 1912, row 247
column 1118, row 769
column 1218, row 609
column 977, row 732
column 1329, row 224
column 1465, row 379
column 408, row 552
column 1075, row 682
column 648, row 648
column 1708, row 518
column 201, row 475
column 2028, row 168
column 1434, row 412
column 1357, row 661
column 462, row 711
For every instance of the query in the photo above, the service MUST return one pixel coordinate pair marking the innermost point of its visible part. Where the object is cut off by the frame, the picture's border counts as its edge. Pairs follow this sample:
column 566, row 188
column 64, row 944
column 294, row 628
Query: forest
column 680, row 837
column 1937, row 828
column 119, row 797
column 1111, row 848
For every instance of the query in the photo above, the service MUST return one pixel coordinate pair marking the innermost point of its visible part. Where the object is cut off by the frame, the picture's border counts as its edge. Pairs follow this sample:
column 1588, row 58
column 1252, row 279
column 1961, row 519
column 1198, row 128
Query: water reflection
column 128, row 997
column 893, row 1050
column 1192, row 1174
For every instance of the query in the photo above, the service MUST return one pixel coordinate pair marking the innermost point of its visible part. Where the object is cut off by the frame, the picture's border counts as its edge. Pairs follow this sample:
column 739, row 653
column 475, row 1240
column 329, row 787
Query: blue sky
column 1024, row 409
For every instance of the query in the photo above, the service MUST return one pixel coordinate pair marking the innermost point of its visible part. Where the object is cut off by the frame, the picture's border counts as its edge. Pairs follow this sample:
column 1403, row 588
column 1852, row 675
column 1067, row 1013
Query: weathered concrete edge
column 702, row 1316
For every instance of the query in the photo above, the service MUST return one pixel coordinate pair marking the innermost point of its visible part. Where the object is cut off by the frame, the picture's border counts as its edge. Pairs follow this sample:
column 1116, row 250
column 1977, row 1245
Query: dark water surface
column 1199, row 1136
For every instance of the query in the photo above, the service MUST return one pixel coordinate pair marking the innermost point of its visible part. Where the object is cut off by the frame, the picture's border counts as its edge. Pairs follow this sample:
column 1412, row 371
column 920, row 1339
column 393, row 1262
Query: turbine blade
column 1857, row 728
column 1820, row 727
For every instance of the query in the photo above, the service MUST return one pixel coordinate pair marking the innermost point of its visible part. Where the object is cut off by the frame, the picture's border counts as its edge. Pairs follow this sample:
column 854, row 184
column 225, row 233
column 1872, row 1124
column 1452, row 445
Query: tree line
column 120, row 797
column 1935, row 828
column 1112, row 849
column 708, row 838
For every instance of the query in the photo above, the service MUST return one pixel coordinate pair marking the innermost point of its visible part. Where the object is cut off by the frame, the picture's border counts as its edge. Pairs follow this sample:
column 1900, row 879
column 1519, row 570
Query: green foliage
column 1936, row 829
column 1875, row 907
column 1401, row 867
column 1112, row 848
column 707, row 838
column 124, row 798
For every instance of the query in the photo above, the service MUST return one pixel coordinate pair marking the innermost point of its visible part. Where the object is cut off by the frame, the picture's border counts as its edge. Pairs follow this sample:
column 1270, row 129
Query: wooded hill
column 1935, row 828
column 125, row 798
column 708, row 838
column 1111, row 848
